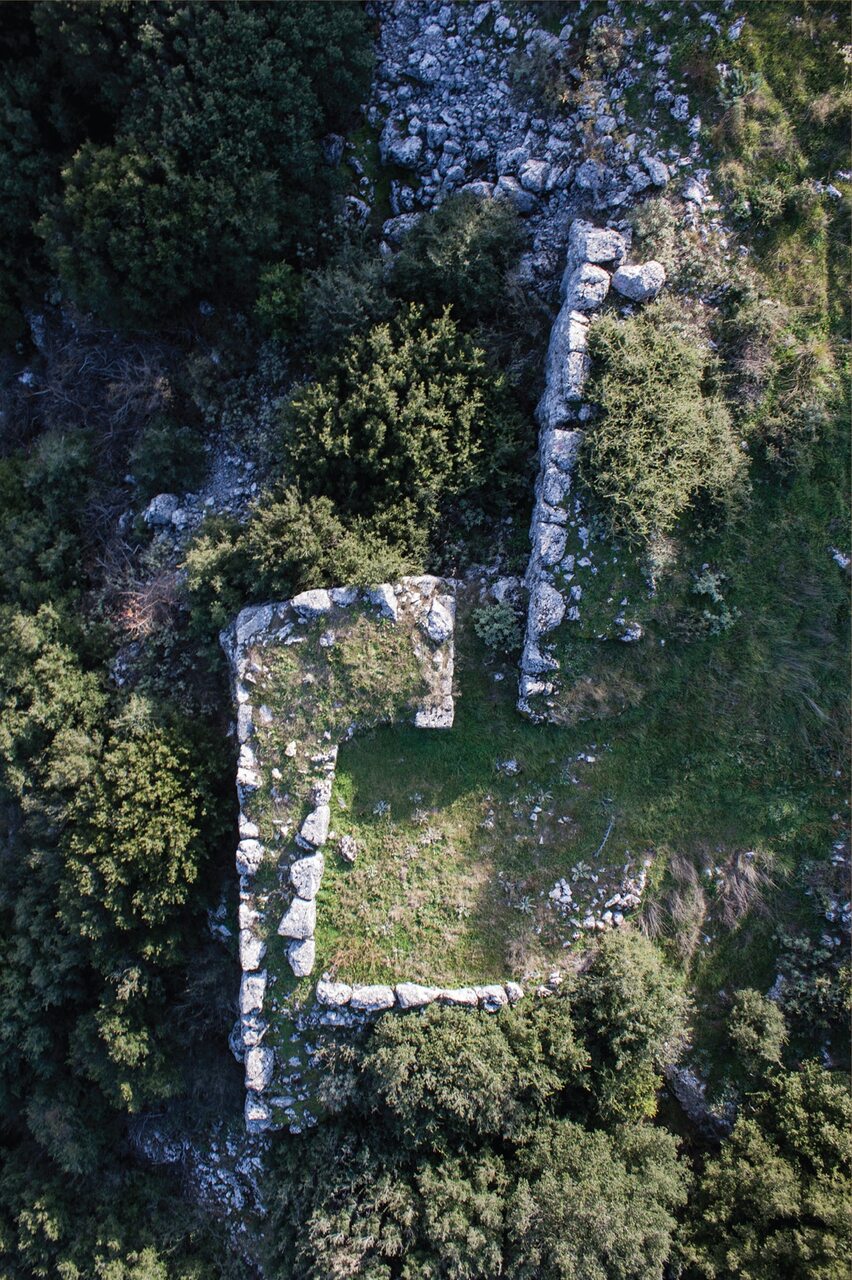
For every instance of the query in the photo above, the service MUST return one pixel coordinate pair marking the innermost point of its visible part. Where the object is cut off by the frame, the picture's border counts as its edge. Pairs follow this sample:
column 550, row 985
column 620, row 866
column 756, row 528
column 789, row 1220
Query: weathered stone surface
column 550, row 543
column 514, row 991
column 311, row 604
column 554, row 486
column 560, row 449
column 348, row 848
column 533, row 175
column 343, row 596
column 315, row 827
column 300, row 920
column 259, row 1062
column 306, row 875
column 436, row 715
column 249, row 857
column 302, row 956
column 333, row 994
column 491, row 998
column 258, row 1116
column 383, row 597
column 252, row 950
column 439, row 621
column 566, row 368
column 159, row 511
column 252, row 991
column 547, row 608
column 465, row 996
column 410, row 995
column 640, row 283
column 588, row 243
column 509, row 188
column 585, row 287
column 395, row 149
column 372, row 999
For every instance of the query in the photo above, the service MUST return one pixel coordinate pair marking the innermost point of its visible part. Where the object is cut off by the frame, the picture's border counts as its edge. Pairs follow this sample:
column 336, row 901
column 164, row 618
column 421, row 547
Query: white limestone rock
column 258, row 1116
column 566, row 368
column 306, row 875
column 333, row 995
column 410, row 995
column 588, row 243
column 259, row 1062
column 315, row 827
column 584, row 287
column 547, row 608
column 312, row 604
column 252, row 991
column 462, row 996
column 439, row 621
column 383, row 597
column 514, row 991
column 491, row 998
column 249, row 857
column 300, row 920
column 560, row 449
column 372, row 999
column 252, row 950
column 301, row 957
column 640, row 283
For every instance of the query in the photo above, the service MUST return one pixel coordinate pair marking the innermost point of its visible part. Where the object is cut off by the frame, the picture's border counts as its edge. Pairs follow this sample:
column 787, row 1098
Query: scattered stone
column 348, row 848
column 640, row 283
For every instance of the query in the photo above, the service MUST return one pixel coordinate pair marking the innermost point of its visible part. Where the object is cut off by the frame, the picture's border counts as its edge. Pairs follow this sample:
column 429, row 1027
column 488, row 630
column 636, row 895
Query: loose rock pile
column 452, row 102
column 565, row 555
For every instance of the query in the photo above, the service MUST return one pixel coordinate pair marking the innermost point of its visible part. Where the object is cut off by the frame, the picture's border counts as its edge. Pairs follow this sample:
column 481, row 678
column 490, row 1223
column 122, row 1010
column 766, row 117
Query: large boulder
column 588, row 243
column 333, row 994
column 566, row 369
column 640, row 283
column 372, row 999
column 585, row 287
column 411, row 995
column 314, row 830
column 438, row 623
column 252, row 991
column 300, row 921
column 306, row 875
column 159, row 511
column 547, row 608
column 311, row 604
column 259, row 1062
column 302, row 957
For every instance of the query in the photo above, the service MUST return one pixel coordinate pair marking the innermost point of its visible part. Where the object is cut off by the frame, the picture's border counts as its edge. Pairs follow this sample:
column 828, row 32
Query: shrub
column 662, row 441
column 167, row 458
column 757, row 1029
column 498, row 627
column 409, row 417
column 345, row 297
column 459, row 255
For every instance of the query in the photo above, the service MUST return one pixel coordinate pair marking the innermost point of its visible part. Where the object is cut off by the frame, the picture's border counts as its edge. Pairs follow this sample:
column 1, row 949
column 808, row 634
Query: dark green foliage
column 291, row 543
column 776, row 1200
column 498, row 627
column 572, row 1181
column 631, row 1007
column 171, row 151
column 409, row 417
column 166, row 458
column 661, row 442
column 345, row 297
column 757, row 1030
column 466, row 1146
column 459, row 255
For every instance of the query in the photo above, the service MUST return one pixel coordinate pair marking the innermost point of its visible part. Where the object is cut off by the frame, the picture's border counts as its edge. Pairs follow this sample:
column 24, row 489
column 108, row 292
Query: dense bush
column 472, row 1147
column 409, row 418
column 663, row 440
column 171, row 152
column 775, row 1201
